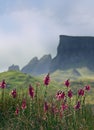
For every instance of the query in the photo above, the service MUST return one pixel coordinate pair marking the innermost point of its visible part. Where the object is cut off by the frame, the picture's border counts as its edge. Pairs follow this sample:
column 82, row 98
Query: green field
column 45, row 111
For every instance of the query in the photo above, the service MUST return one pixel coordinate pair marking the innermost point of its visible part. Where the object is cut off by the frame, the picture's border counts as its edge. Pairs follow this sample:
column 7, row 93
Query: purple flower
column 87, row 87
column 81, row 92
column 31, row 91
column 70, row 93
column 60, row 95
column 64, row 106
column 67, row 83
column 24, row 104
column 17, row 111
column 47, row 80
column 78, row 105
column 3, row 84
column 14, row 93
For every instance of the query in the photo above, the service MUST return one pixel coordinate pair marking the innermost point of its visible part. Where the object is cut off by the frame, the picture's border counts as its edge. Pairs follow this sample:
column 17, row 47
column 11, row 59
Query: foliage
column 36, row 109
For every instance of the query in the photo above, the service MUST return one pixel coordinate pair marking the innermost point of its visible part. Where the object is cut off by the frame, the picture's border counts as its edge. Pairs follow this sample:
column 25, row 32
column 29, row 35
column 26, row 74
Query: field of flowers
column 34, row 109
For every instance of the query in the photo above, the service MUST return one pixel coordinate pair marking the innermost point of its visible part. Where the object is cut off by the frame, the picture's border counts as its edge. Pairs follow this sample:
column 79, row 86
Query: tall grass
column 33, row 109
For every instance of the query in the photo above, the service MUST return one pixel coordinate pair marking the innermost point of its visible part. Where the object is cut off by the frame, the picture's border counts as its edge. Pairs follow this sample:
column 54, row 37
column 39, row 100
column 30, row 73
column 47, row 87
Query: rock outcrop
column 74, row 52
column 37, row 67
column 14, row 67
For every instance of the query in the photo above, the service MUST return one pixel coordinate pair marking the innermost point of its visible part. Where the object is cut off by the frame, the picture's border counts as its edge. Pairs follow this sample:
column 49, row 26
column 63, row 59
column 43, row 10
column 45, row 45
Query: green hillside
column 17, row 79
column 21, row 81
column 73, row 74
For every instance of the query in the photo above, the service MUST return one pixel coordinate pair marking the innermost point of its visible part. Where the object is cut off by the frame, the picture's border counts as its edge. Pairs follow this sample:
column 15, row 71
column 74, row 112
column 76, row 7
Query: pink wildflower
column 67, row 83
column 47, row 80
column 17, row 111
column 31, row 91
column 24, row 104
column 70, row 93
column 14, row 93
column 81, row 92
column 64, row 106
column 78, row 105
column 3, row 84
column 60, row 95
column 87, row 87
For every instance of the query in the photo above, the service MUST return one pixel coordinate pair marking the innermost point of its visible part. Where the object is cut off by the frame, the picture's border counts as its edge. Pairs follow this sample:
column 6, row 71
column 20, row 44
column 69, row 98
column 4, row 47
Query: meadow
column 32, row 103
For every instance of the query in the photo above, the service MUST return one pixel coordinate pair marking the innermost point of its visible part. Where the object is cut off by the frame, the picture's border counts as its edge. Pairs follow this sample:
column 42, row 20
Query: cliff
column 38, row 66
column 14, row 67
column 74, row 52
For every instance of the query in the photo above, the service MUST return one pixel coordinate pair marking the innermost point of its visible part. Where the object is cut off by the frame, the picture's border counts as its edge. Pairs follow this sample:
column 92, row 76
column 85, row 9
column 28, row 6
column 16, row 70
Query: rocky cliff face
column 74, row 52
column 38, row 66
column 14, row 67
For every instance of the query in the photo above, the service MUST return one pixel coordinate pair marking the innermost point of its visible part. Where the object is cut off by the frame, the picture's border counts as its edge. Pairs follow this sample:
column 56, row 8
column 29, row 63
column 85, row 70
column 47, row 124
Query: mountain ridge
column 72, row 52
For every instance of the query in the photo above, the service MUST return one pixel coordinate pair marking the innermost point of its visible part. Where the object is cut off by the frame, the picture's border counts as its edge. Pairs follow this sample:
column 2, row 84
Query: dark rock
column 37, row 67
column 14, row 67
column 74, row 52
column 30, row 67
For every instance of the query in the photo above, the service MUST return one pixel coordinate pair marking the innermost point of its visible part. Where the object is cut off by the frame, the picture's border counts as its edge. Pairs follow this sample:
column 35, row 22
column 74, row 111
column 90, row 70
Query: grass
column 41, row 107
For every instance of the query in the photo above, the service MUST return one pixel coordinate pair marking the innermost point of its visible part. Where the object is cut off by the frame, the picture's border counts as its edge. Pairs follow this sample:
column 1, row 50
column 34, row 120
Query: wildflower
column 67, row 83
column 70, row 93
column 60, row 95
column 24, row 104
column 78, row 105
column 17, row 110
column 31, row 91
column 47, row 80
column 14, row 93
column 81, row 92
column 64, row 106
column 3, row 84
column 87, row 87
column 45, row 106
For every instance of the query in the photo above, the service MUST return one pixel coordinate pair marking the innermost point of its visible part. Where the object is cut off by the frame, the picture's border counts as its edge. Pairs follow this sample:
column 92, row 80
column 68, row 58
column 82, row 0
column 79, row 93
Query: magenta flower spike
column 78, row 105
column 17, row 111
column 64, row 107
column 87, row 87
column 31, row 91
column 67, row 83
column 47, row 80
column 14, row 93
column 3, row 84
column 24, row 104
column 70, row 93
column 81, row 92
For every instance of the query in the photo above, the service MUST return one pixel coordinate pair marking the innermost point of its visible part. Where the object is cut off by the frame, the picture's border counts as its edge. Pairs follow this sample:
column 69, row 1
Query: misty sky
column 31, row 28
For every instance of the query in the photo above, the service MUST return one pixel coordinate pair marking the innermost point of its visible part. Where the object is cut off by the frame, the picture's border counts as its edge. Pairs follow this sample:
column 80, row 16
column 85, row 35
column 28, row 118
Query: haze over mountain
column 72, row 52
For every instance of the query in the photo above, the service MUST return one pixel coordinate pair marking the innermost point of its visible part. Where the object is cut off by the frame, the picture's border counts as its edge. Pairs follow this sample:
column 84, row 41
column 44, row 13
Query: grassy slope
column 16, row 79
column 86, row 78
column 19, row 80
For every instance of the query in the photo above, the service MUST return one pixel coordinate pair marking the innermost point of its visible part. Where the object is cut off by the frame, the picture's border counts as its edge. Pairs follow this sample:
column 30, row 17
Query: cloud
column 28, row 29
column 34, row 37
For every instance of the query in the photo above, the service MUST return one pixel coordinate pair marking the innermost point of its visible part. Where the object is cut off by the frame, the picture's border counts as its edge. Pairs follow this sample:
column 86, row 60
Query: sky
column 30, row 28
